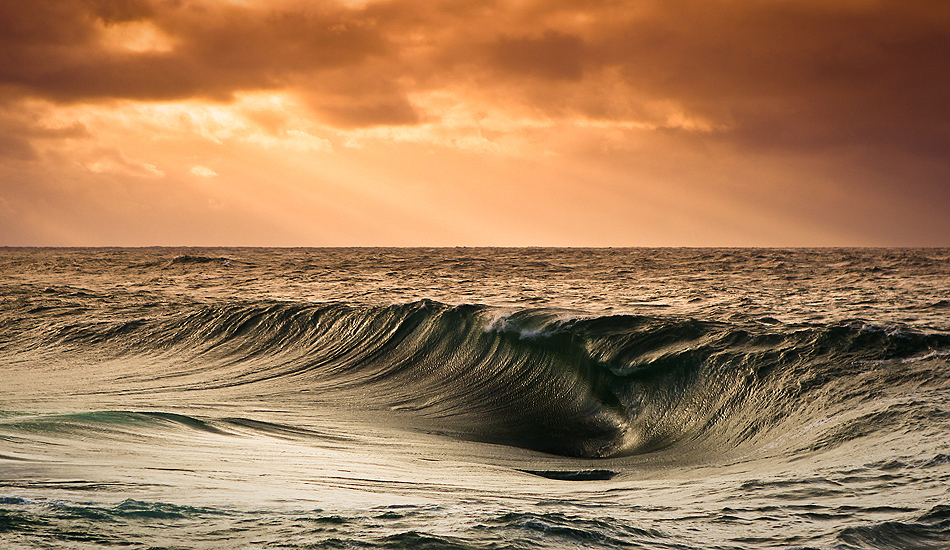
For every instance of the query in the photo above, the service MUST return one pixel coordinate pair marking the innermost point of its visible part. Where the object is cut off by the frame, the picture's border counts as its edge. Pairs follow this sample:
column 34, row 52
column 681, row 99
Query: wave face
column 540, row 378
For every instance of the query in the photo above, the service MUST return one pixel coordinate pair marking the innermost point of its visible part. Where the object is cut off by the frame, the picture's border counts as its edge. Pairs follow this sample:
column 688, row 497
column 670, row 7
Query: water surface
column 474, row 398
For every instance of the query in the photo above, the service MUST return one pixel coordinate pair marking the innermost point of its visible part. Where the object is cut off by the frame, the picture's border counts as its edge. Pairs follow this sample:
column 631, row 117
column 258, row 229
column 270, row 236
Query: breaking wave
column 543, row 379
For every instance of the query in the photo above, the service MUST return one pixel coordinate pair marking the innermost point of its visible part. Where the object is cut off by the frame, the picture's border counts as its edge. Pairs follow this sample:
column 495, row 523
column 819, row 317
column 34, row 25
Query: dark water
column 474, row 398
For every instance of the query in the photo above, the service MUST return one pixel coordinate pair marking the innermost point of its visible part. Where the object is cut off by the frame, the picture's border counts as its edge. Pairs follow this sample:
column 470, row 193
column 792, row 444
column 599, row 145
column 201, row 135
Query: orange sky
column 443, row 123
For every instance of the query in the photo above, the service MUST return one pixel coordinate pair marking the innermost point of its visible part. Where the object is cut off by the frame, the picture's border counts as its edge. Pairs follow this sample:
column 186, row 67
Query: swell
column 537, row 378
column 124, row 426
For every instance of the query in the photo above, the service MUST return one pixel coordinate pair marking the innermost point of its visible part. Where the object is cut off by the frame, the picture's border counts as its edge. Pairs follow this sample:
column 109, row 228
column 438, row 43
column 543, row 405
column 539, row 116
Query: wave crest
column 538, row 378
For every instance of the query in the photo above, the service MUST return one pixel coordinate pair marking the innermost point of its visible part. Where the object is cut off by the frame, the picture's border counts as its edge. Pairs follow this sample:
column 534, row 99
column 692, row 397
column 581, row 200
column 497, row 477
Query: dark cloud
column 802, row 75
column 769, row 75
column 359, row 96
column 799, row 76
column 47, row 25
column 13, row 146
column 355, row 114
column 553, row 55
column 57, row 52
column 20, row 127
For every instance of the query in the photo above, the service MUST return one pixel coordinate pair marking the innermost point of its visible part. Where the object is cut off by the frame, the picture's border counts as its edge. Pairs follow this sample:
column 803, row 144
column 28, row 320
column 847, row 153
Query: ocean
column 474, row 398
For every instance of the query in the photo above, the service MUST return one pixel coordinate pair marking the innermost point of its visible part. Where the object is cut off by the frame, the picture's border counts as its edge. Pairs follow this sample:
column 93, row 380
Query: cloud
column 203, row 171
column 293, row 140
column 553, row 55
column 800, row 74
column 23, row 127
column 14, row 145
column 66, row 51
column 115, row 162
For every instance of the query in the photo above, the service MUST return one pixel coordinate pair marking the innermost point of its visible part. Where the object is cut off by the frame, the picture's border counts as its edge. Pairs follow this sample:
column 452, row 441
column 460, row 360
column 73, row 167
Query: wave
column 931, row 530
column 550, row 380
column 192, row 259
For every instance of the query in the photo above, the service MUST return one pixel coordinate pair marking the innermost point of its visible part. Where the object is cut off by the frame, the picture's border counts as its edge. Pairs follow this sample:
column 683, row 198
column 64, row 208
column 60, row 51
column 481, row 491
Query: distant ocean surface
column 475, row 398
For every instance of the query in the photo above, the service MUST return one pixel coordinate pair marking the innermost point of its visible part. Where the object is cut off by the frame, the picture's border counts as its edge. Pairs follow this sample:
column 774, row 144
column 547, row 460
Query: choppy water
column 474, row 398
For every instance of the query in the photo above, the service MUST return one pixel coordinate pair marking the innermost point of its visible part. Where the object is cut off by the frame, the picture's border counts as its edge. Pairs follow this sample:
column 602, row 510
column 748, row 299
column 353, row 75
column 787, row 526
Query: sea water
column 474, row 398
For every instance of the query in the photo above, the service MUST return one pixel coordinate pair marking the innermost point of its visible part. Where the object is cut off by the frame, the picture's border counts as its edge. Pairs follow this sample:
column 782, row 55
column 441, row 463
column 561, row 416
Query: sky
column 773, row 123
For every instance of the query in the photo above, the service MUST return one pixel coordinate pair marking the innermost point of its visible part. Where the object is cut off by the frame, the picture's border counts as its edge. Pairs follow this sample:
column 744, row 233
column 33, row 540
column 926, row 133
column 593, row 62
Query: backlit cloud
column 203, row 171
